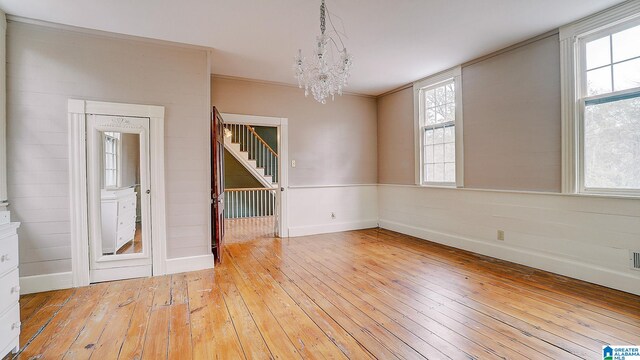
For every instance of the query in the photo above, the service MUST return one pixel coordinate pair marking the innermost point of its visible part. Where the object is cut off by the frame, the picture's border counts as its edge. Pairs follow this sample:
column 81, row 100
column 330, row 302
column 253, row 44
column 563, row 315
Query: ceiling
column 393, row 42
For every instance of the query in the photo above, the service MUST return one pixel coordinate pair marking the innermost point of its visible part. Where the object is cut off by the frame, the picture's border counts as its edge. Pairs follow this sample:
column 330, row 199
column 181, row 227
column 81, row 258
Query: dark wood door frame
column 217, row 184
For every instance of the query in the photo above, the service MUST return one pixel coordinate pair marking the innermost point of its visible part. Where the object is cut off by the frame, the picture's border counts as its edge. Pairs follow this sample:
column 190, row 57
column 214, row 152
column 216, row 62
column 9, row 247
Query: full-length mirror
column 120, row 202
column 121, row 173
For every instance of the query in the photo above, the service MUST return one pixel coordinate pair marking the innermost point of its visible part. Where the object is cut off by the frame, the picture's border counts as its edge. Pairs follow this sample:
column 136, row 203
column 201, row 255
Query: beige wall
column 511, row 106
column 45, row 68
column 331, row 144
column 396, row 148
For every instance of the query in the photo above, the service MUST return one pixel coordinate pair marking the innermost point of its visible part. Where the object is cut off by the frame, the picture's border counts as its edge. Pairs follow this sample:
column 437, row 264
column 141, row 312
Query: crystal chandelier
column 322, row 75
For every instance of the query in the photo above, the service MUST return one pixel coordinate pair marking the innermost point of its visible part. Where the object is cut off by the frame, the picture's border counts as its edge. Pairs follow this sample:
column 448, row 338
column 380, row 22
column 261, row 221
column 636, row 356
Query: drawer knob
column 15, row 325
column 4, row 258
column 15, row 289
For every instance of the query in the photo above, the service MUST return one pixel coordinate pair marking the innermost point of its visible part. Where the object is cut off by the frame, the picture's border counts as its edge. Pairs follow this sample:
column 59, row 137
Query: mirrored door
column 118, row 196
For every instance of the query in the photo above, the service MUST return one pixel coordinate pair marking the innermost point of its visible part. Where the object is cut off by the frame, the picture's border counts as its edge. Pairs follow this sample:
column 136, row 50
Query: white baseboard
column 190, row 263
column 47, row 282
column 331, row 228
column 555, row 264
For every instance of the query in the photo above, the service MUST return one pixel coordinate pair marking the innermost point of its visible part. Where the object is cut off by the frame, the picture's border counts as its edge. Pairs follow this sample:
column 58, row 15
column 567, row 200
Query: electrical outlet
column 293, row 163
column 501, row 235
column 333, row 216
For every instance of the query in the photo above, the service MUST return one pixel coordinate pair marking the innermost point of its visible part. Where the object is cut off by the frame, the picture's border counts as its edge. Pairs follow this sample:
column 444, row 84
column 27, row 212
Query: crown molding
column 102, row 33
column 608, row 17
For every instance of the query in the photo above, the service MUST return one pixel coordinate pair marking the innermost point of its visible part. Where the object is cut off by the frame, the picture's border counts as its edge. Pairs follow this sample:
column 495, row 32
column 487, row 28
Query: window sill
column 609, row 194
column 439, row 185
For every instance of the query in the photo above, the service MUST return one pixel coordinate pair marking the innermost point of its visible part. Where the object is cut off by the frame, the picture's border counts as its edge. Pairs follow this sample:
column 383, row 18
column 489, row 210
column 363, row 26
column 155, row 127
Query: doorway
column 118, row 225
column 255, row 177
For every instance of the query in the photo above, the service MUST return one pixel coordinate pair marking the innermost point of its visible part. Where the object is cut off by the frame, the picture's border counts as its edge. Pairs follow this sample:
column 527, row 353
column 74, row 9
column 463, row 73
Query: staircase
column 252, row 152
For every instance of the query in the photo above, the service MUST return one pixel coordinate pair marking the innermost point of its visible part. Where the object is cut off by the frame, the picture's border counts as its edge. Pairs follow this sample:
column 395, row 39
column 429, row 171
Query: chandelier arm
column 334, row 27
column 336, row 45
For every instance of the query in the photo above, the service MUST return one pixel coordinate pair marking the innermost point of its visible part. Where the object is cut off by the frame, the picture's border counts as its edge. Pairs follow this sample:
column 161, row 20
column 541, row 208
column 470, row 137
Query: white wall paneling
column 45, row 67
column 47, row 282
column 583, row 237
column 191, row 263
column 310, row 208
column 3, row 110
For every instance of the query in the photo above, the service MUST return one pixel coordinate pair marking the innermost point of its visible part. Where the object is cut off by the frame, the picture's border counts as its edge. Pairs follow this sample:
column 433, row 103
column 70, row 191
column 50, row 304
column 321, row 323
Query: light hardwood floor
column 361, row 294
column 252, row 229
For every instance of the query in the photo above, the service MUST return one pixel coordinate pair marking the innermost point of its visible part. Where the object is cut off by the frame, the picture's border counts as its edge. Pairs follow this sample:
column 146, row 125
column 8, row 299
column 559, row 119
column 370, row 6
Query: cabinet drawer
column 9, row 326
column 9, row 290
column 8, row 253
column 126, row 206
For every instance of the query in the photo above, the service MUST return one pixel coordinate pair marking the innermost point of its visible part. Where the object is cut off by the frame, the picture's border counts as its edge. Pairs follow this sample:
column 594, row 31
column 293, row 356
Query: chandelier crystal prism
column 323, row 75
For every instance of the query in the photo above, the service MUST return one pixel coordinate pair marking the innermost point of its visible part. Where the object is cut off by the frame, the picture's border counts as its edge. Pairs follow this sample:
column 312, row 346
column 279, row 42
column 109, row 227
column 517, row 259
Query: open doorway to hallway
column 251, row 181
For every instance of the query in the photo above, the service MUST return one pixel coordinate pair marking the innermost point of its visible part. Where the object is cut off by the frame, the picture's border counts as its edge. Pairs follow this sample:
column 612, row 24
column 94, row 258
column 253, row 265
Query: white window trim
column 118, row 163
column 418, row 121
column 571, row 38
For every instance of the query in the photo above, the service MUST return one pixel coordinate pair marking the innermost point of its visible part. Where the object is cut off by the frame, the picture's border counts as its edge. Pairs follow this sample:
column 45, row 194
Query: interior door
column 217, row 184
column 118, row 188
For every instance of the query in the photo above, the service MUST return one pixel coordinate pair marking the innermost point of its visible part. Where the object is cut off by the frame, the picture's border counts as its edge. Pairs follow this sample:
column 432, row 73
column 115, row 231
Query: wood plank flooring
column 357, row 295
column 251, row 229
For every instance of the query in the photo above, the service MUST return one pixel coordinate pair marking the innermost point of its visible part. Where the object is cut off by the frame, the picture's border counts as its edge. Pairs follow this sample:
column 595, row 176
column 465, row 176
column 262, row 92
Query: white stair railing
column 256, row 148
column 249, row 203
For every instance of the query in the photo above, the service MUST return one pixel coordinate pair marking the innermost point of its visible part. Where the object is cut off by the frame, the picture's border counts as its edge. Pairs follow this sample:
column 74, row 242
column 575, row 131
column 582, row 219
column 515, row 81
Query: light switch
column 293, row 163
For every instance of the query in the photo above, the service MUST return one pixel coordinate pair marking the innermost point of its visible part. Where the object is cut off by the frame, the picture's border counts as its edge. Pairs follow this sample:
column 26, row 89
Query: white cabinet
column 9, row 289
column 118, row 218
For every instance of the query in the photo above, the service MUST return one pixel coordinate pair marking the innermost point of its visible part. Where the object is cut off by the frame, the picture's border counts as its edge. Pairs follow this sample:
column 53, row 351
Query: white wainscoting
column 310, row 208
column 48, row 282
column 583, row 237
column 191, row 263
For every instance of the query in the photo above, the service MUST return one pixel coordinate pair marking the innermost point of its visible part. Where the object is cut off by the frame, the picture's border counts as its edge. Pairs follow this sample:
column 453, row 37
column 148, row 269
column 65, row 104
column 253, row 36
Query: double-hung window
column 111, row 154
column 438, row 129
column 604, row 113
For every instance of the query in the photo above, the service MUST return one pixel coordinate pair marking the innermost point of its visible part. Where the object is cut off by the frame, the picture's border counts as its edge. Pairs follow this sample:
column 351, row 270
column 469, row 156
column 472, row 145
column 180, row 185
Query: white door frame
column 78, row 110
column 282, row 124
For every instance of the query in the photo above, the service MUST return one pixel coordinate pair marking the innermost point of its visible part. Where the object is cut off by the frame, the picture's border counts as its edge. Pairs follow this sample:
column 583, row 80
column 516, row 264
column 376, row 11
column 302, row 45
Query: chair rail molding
column 77, row 118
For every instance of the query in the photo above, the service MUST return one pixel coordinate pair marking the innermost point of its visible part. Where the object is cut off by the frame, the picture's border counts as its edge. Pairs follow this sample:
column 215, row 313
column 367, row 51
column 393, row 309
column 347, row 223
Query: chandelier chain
column 323, row 25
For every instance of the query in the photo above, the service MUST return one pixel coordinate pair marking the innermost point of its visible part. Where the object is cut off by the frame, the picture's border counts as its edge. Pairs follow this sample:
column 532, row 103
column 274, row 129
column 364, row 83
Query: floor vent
column 635, row 260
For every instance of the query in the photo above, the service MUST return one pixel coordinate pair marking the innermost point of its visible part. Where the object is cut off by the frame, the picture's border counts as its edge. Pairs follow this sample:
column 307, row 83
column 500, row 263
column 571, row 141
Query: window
column 438, row 125
column 111, row 147
column 603, row 118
